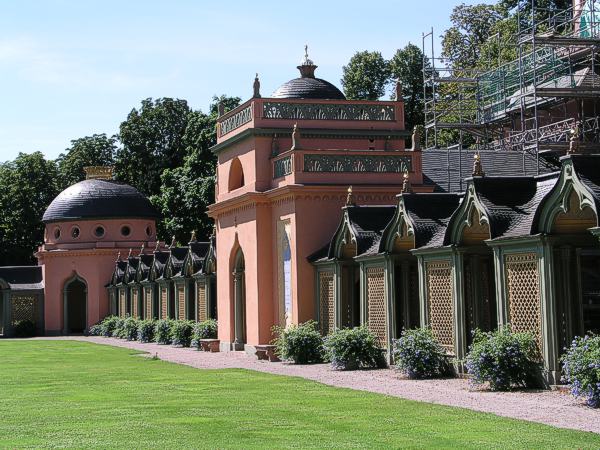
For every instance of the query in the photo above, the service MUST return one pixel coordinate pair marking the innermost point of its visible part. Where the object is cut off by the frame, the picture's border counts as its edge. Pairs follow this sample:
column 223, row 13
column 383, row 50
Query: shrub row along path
column 549, row 407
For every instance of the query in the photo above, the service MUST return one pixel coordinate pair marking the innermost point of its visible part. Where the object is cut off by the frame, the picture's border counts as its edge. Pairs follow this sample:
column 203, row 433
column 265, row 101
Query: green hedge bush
column 130, row 329
column 119, row 329
column 581, row 368
column 418, row 354
column 162, row 332
column 181, row 333
column 208, row 329
column 146, row 330
column 95, row 330
column 504, row 359
column 354, row 348
column 108, row 325
column 302, row 344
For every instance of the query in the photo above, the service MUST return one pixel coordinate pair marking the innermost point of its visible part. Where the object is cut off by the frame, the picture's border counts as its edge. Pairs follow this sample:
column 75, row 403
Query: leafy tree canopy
column 366, row 76
column 96, row 150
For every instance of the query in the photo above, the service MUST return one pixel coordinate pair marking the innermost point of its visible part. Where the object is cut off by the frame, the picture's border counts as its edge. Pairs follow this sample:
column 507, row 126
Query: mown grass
column 72, row 394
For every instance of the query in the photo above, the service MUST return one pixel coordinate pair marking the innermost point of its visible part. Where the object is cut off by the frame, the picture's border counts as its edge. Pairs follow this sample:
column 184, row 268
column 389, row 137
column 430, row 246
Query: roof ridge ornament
column 118, row 257
column 574, row 140
column 142, row 249
column 98, row 172
column 307, row 67
column 256, row 87
column 193, row 237
column 295, row 137
column 130, row 253
column 157, row 248
column 406, row 186
column 350, row 197
column 477, row 167
column 173, row 242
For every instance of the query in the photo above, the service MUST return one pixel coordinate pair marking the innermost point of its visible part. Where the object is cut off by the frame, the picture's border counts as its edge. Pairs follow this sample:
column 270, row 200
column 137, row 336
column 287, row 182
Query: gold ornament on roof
column 118, row 256
column 98, row 172
column 193, row 236
column 406, row 187
column 350, row 197
column 157, row 248
column 143, row 248
column 477, row 167
column 173, row 242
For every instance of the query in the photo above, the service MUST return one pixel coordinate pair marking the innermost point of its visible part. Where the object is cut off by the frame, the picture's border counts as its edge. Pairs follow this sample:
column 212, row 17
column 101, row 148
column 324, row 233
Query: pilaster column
column 238, row 289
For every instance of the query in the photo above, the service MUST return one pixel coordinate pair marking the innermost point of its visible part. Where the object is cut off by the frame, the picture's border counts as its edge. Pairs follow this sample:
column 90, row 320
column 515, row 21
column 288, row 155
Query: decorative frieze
column 282, row 167
column 237, row 120
column 357, row 163
column 328, row 111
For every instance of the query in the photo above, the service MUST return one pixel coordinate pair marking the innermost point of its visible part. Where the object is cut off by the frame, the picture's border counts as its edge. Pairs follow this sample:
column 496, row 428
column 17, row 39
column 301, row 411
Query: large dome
column 307, row 86
column 99, row 199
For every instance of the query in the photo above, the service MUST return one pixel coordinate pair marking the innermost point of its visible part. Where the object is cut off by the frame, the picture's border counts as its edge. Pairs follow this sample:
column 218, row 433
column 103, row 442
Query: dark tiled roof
column 447, row 169
column 196, row 255
column 21, row 278
column 160, row 262
column 430, row 214
column 588, row 171
column 144, row 267
column 132, row 265
column 306, row 87
column 92, row 199
column 368, row 223
column 119, row 273
column 177, row 258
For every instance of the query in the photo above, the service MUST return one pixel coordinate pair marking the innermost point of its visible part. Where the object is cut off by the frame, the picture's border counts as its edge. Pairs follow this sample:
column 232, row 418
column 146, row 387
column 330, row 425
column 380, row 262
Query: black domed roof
column 99, row 199
column 305, row 87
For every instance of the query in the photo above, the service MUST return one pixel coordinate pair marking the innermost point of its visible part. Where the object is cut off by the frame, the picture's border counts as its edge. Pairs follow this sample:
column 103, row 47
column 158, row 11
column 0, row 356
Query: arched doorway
column 75, row 306
column 239, row 303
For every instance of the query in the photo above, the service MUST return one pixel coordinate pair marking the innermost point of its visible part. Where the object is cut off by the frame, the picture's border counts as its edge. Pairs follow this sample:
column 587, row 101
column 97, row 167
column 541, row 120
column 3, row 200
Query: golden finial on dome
column 98, row 172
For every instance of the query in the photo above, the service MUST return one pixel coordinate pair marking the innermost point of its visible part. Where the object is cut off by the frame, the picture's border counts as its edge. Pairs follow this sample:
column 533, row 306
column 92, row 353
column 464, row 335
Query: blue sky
column 69, row 69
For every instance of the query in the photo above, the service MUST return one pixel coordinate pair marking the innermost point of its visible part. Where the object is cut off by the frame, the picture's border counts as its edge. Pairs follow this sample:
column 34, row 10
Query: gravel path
column 550, row 407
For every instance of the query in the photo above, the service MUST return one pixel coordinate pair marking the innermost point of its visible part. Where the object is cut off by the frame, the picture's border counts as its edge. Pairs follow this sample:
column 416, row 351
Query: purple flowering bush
column 418, row 354
column 302, row 344
column 581, row 368
column 504, row 359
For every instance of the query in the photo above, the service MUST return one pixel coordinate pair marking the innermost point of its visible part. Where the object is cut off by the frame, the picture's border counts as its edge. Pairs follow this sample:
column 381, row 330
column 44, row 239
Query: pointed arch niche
column 238, row 299
column 468, row 230
column 75, row 305
column 348, row 279
column 284, row 260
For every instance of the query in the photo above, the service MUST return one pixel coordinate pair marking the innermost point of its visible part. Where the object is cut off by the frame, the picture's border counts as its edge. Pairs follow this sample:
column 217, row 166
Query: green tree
column 186, row 191
column 152, row 140
column 407, row 66
column 471, row 27
column 366, row 76
column 96, row 150
column 27, row 186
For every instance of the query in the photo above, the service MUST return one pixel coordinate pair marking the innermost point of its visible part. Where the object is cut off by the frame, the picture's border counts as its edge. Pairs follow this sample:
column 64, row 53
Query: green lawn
column 74, row 394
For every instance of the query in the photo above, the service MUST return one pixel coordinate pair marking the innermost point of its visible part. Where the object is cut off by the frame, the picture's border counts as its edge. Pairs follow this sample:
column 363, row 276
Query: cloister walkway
column 549, row 407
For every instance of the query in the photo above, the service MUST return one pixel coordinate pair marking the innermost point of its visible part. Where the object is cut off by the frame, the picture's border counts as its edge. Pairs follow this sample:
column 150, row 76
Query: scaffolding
column 538, row 103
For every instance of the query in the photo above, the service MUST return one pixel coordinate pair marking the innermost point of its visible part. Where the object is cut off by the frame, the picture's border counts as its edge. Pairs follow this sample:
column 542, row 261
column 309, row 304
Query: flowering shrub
column 146, row 330
column 108, row 325
column 130, row 329
column 162, row 332
column 354, row 348
column 418, row 354
column 95, row 330
column 503, row 359
column 301, row 344
column 204, row 330
column 181, row 332
column 581, row 368
column 119, row 329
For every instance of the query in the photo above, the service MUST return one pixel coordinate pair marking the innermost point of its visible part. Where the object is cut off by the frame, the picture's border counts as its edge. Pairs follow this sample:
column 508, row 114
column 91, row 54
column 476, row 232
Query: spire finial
column 256, row 87
column 118, row 257
column 193, row 236
column 477, row 167
column 173, row 242
column 350, row 197
column 130, row 252
column 157, row 248
column 305, row 52
column 143, row 248
column 307, row 66
column 406, row 187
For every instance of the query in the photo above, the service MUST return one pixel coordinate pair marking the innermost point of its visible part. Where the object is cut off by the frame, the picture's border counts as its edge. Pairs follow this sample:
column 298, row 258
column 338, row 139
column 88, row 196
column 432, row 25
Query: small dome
column 99, row 199
column 306, row 87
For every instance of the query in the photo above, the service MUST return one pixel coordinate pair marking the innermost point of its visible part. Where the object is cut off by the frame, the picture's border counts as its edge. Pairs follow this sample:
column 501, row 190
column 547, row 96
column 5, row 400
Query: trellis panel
column 440, row 302
column 326, row 300
column 163, row 303
column 523, row 292
column 148, row 303
column 202, row 307
column 181, row 302
column 134, row 301
column 23, row 308
column 377, row 317
column 122, row 304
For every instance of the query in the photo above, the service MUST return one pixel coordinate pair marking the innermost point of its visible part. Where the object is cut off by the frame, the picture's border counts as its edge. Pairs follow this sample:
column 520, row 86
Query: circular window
column 57, row 233
column 99, row 231
column 125, row 230
column 75, row 232
column 149, row 231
